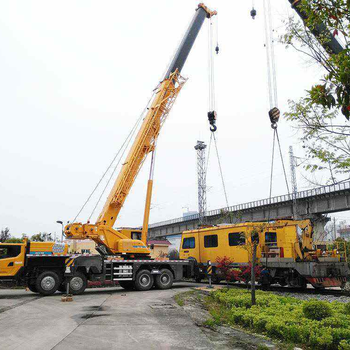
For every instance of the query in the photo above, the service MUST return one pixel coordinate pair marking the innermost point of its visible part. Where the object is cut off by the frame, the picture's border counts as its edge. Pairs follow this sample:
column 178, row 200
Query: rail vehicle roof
column 249, row 224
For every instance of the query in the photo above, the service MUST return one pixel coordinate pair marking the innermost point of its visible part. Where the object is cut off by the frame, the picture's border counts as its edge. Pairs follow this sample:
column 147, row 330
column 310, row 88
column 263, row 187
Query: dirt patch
column 224, row 337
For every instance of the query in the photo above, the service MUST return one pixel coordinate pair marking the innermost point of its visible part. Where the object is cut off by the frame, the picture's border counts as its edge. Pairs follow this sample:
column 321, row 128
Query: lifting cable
column 274, row 112
column 120, row 152
column 211, row 102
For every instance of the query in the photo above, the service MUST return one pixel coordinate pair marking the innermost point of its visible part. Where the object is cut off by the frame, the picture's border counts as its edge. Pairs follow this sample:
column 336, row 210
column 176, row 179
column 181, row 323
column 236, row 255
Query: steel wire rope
column 209, row 147
column 221, row 172
column 115, row 157
column 271, row 176
column 211, row 80
column 284, row 169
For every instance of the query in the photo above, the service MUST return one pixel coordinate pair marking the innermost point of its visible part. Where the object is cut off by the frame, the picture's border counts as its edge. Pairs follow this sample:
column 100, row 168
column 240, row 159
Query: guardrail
column 259, row 203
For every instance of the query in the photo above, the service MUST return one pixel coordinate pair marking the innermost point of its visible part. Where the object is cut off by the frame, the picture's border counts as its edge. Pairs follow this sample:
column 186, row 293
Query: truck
column 123, row 253
column 45, row 268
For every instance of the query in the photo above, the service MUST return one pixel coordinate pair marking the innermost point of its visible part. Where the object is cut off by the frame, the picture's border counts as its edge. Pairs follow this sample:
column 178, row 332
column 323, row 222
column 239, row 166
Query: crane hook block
column 274, row 115
column 212, row 120
column 253, row 13
column 217, row 49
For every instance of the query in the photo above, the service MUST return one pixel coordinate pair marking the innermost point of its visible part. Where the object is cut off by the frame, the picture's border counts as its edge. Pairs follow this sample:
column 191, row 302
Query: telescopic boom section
column 118, row 242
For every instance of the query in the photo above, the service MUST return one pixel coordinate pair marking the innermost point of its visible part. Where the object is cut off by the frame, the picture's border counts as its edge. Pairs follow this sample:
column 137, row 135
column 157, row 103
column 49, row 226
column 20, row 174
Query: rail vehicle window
column 236, row 238
column 136, row 235
column 188, row 243
column 211, row 241
column 270, row 238
column 10, row 251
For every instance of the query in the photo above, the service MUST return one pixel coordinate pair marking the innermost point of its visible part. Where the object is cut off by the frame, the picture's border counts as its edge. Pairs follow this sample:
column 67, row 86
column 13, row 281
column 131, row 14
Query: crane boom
column 122, row 241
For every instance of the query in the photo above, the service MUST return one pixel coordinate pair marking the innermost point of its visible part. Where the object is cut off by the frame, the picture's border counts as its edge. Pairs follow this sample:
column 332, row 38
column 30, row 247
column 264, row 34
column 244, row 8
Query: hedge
column 316, row 324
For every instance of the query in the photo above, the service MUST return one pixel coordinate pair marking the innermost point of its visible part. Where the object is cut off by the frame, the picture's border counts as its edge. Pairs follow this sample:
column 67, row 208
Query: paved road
column 109, row 318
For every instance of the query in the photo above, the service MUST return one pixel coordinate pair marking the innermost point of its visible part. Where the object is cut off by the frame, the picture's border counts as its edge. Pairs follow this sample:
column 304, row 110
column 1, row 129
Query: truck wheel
column 127, row 285
column 164, row 280
column 77, row 283
column 144, row 280
column 32, row 288
column 47, row 283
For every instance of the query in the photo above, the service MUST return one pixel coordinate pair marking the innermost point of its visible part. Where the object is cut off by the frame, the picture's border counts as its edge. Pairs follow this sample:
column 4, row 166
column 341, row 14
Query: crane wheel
column 127, row 285
column 78, row 283
column 47, row 283
column 164, row 280
column 144, row 280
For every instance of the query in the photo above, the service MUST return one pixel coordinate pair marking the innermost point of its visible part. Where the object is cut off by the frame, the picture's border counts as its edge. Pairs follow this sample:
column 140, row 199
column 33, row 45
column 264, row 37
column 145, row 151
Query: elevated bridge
column 309, row 204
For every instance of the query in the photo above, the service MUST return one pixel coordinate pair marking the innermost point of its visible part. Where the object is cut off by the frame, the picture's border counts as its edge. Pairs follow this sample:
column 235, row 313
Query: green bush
column 344, row 345
column 314, row 324
column 317, row 310
column 347, row 308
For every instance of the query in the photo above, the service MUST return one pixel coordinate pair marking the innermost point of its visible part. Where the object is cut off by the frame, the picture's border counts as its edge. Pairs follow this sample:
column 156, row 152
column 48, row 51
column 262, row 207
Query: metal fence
column 263, row 202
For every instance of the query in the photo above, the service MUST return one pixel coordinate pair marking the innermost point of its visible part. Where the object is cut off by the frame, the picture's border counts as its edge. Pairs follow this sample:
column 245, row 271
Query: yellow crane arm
column 144, row 143
column 128, row 241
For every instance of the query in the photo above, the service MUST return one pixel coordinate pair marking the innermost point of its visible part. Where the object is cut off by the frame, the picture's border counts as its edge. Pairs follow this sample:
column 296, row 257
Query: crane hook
column 274, row 115
column 212, row 121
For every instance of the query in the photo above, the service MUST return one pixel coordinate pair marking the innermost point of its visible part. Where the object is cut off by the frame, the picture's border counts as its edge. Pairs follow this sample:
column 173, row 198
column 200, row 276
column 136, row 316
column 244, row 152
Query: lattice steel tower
column 202, row 181
column 294, row 181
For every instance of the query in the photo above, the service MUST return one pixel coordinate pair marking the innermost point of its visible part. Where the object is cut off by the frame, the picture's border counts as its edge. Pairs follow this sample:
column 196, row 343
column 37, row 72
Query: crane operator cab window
column 189, row 243
column 136, row 235
column 10, row 251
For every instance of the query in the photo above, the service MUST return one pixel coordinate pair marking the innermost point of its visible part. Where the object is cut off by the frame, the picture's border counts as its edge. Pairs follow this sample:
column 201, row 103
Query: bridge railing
column 262, row 202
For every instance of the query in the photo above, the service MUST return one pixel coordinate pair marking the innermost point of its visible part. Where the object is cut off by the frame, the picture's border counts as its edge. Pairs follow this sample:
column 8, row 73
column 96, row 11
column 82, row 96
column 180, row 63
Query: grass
column 312, row 324
column 181, row 297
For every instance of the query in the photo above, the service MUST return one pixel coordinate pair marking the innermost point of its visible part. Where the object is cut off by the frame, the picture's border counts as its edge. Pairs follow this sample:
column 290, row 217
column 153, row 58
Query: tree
column 5, row 235
column 322, row 115
column 14, row 240
column 42, row 237
column 251, row 245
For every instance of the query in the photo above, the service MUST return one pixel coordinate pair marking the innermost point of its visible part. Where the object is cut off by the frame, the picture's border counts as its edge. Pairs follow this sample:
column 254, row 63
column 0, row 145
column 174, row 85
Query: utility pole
column 294, row 181
column 334, row 229
column 202, row 181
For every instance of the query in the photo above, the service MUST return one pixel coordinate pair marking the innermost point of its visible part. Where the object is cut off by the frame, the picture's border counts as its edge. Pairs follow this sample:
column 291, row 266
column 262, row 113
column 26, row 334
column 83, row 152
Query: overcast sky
column 75, row 76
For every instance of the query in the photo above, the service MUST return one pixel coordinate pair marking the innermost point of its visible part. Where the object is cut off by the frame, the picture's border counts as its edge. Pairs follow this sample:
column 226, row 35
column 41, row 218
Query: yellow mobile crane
column 109, row 240
column 46, row 274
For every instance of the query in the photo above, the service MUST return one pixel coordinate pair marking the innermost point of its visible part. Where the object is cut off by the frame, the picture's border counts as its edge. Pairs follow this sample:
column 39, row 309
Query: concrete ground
column 109, row 318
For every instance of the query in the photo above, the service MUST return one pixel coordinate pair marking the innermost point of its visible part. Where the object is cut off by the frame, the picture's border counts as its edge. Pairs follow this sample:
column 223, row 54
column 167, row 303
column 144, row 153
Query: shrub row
column 317, row 324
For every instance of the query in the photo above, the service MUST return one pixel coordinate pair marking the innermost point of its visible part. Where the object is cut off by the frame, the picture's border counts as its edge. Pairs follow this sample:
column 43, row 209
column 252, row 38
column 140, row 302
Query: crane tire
column 127, row 285
column 77, row 283
column 164, row 280
column 47, row 283
column 144, row 280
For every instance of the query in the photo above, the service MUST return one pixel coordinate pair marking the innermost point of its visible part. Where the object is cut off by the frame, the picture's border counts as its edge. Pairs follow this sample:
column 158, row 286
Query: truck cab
column 12, row 259
column 14, row 256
